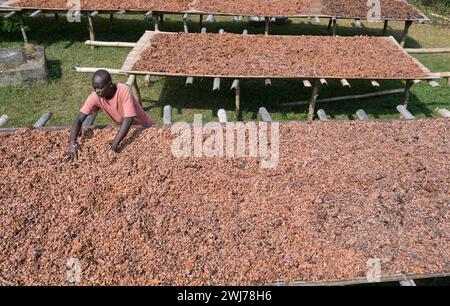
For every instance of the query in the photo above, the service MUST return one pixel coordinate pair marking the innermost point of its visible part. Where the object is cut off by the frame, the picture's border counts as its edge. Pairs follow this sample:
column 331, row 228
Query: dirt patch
column 343, row 193
column 282, row 56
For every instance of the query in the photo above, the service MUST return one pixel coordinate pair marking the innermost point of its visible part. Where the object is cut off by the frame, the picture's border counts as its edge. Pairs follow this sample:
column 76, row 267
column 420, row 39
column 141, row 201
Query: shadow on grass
column 54, row 70
column 46, row 30
column 254, row 94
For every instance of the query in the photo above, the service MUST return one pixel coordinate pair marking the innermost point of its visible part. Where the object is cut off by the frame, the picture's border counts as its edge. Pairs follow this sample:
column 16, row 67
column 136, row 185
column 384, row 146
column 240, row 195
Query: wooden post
column 167, row 115
column 185, row 25
column 265, row 115
column 147, row 80
column 156, row 21
column 91, row 29
column 22, row 30
column 329, row 25
column 58, row 26
column 408, row 24
column 385, row 27
column 312, row 102
column 43, row 120
column 111, row 20
column 322, row 115
column 237, row 87
column 132, row 83
column 408, row 86
column 201, row 21
column 266, row 31
column 334, row 26
column 362, row 115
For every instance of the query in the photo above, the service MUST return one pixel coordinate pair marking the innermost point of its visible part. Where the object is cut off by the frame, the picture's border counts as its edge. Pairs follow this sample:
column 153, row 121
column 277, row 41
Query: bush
column 8, row 26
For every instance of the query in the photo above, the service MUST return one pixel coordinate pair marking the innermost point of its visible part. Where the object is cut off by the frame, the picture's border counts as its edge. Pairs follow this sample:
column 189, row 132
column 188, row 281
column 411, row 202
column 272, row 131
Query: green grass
column 66, row 91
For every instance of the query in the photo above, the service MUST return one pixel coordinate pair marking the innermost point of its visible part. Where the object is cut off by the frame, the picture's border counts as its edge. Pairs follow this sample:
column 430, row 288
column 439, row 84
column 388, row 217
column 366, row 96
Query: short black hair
column 103, row 75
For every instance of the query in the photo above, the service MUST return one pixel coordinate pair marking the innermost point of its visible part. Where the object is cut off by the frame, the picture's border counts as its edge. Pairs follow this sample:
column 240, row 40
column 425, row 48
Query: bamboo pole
column 353, row 97
column 91, row 30
column 110, row 44
column 427, row 50
column 93, row 70
column 408, row 24
column 312, row 102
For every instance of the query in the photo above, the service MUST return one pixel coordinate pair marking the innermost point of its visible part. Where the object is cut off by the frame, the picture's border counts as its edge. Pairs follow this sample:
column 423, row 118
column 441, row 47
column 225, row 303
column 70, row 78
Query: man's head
column 103, row 85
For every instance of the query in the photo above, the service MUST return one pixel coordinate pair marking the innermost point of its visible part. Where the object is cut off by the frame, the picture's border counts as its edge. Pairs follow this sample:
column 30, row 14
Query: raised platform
column 241, row 56
column 398, row 10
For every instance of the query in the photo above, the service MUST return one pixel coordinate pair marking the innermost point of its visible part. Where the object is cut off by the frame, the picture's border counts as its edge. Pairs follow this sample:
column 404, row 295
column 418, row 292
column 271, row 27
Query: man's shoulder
column 122, row 87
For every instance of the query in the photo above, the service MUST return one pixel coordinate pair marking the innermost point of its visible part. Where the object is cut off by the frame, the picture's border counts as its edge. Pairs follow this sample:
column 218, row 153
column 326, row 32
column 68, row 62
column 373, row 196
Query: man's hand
column 72, row 152
column 124, row 128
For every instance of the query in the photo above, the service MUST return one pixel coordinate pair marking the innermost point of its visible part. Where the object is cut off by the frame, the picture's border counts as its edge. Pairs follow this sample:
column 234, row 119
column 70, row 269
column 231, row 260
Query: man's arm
column 76, row 127
column 124, row 128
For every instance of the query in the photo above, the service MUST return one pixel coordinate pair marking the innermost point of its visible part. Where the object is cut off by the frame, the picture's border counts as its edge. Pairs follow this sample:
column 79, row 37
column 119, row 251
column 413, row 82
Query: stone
column 12, row 57
column 32, row 71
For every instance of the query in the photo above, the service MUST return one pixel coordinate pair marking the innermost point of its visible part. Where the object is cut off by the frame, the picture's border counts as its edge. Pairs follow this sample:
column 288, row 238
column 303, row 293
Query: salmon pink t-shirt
column 122, row 105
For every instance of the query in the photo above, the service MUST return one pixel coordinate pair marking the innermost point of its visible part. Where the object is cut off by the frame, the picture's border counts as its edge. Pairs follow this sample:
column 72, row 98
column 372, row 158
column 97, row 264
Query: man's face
column 103, row 88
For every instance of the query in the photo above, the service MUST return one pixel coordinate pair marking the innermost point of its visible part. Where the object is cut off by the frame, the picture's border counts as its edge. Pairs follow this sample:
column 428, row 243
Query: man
column 117, row 102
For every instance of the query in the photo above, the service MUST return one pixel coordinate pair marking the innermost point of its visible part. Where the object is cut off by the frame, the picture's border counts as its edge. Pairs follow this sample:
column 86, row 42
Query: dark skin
column 104, row 88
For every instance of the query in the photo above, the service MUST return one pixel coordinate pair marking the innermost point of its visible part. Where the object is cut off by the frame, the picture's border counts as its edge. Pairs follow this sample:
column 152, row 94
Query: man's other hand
column 72, row 152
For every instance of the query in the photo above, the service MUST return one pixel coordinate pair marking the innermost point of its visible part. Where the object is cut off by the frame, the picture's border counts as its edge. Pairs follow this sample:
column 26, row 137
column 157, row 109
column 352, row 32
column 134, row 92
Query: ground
column 66, row 91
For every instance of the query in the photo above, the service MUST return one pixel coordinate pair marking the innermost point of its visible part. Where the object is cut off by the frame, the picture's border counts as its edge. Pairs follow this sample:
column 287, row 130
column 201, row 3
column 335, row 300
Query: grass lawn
column 66, row 91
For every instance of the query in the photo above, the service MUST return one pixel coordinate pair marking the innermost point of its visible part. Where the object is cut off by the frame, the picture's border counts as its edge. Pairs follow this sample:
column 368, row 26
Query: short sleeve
column 90, row 106
column 128, row 102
